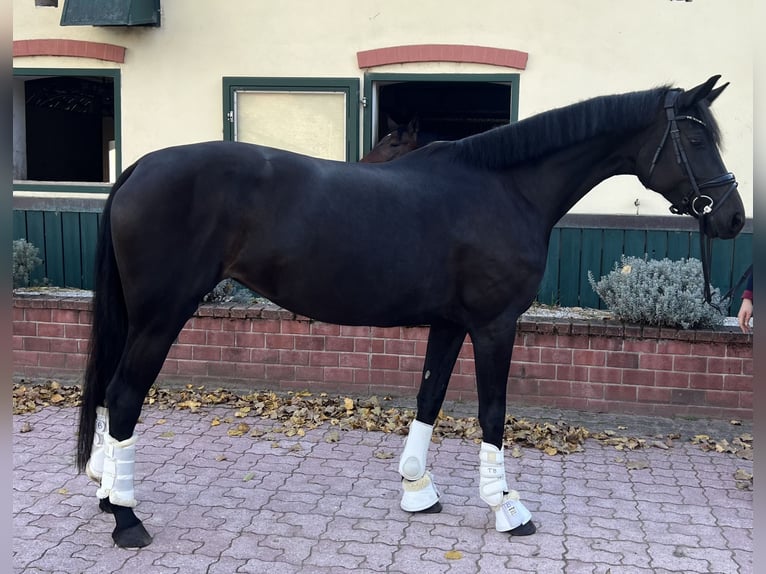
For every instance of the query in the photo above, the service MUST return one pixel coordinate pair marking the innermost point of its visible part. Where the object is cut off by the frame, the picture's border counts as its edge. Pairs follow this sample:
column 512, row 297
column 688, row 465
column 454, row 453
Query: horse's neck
column 556, row 184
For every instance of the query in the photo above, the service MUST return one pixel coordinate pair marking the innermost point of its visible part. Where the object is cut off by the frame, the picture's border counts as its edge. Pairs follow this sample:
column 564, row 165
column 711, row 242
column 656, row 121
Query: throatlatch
column 119, row 466
column 419, row 490
column 509, row 511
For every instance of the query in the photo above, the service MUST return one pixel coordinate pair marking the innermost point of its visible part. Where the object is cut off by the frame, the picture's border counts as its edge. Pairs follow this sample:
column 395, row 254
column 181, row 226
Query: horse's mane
column 548, row 131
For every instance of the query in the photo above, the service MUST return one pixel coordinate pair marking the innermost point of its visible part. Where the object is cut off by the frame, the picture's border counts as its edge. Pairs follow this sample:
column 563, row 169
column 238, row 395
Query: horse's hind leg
column 420, row 494
column 493, row 347
column 145, row 351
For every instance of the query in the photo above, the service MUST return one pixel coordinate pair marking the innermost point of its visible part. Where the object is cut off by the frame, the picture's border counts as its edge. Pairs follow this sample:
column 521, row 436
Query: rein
column 695, row 203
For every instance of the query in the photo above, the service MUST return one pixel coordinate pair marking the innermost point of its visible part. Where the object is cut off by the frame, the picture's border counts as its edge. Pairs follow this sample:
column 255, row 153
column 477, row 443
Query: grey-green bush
column 661, row 293
column 25, row 260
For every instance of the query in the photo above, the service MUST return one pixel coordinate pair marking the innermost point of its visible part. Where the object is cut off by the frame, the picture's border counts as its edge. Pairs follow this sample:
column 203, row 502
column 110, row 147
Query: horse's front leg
column 493, row 347
column 419, row 491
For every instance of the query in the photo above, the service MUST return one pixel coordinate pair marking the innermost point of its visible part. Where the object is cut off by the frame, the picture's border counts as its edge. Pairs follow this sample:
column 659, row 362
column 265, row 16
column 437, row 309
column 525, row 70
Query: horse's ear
column 691, row 97
column 715, row 93
column 414, row 125
column 392, row 125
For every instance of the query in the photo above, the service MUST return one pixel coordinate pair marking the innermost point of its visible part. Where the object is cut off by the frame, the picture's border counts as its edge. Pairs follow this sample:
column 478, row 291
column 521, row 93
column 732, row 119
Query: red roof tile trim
column 75, row 48
column 442, row 53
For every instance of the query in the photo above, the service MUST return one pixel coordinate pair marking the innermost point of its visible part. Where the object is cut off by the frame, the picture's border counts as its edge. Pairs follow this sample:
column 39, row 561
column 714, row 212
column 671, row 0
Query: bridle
column 695, row 203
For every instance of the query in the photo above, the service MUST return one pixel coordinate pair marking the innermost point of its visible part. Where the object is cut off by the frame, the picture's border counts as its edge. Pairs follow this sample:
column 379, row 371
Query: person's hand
column 745, row 314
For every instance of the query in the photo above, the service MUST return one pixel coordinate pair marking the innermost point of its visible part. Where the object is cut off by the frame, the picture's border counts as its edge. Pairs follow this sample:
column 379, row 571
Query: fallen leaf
column 636, row 464
column 168, row 434
column 248, row 477
column 453, row 555
column 383, row 454
column 26, row 427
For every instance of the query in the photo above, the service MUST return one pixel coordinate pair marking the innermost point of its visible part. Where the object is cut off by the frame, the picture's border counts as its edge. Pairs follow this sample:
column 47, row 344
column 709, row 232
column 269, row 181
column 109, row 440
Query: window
column 316, row 117
column 66, row 126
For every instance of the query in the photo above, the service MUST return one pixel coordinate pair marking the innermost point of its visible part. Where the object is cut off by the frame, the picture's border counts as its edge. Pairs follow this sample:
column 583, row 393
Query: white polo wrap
column 511, row 513
column 412, row 464
column 119, row 466
column 94, row 468
column 492, row 482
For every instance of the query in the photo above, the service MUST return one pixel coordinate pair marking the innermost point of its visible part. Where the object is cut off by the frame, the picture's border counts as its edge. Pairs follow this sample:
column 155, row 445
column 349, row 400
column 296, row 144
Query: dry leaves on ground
column 294, row 413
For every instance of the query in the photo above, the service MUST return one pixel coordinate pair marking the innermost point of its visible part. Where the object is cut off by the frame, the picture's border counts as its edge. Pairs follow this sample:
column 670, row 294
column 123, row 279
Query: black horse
column 453, row 235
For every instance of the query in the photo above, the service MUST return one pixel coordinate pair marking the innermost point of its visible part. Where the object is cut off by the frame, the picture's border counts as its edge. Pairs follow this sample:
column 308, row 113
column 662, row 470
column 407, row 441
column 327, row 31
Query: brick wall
column 593, row 366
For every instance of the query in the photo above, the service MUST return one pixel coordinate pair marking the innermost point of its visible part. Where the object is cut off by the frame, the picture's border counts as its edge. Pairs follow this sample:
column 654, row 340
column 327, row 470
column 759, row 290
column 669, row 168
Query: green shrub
column 660, row 293
column 25, row 260
column 229, row 290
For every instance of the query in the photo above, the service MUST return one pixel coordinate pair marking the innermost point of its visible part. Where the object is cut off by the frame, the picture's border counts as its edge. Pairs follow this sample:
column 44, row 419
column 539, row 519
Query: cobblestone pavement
column 219, row 504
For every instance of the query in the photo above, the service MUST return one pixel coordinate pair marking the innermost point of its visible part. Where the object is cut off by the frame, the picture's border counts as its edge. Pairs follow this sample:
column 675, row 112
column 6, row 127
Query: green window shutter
column 111, row 13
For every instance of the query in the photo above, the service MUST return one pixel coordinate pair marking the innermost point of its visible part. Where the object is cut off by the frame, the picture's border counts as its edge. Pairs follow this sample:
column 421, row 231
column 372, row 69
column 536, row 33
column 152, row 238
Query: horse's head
column 681, row 160
column 399, row 141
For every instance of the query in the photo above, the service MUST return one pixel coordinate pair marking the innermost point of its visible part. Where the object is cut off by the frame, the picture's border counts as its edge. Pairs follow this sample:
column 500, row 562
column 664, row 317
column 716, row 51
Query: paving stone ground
column 218, row 504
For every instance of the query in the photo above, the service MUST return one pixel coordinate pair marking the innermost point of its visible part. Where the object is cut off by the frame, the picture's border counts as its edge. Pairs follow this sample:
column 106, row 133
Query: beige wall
column 171, row 78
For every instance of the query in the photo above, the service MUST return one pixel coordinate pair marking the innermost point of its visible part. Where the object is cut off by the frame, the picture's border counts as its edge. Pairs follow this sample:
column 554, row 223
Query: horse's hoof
column 524, row 529
column 134, row 536
column 435, row 508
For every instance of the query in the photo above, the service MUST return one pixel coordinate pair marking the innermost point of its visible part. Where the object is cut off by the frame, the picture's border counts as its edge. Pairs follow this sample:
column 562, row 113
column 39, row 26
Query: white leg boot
column 509, row 511
column 419, row 490
column 94, row 468
column 119, row 466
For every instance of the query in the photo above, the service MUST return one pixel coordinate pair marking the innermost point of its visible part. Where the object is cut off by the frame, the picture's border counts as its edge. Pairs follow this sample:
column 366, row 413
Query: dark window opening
column 451, row 110
column 68, row 129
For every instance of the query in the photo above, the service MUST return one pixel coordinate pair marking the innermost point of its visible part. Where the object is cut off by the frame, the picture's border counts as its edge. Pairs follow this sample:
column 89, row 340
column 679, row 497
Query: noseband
column 695, row 203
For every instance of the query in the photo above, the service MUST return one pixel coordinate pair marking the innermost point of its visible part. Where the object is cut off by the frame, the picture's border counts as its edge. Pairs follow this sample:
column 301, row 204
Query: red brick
column 290, row 357
column 708, row 350
column 200, row 353
column 325, row 329
column 254, row 372
column 729, row 399
column 37, row 344
column 192, row 367
column 639, row 346
column 50, row 330
column 38, row 315
column 309, row 343
column 738, row 382
column 267, row 356
column 390, row 362
column 523, row 387
column 620, row 393
column 559, row 356
column 526, row 354
column 53, row 359
column 671, row 379
column 64, row 346
column 324, row 359
column 674, row 347
column 570, row 403
column 295, row 328
column 278, row 373
column 747, row 366
column 533, row 371
column 656, row 362
column 250, row 340
column 690, row 364
column 222, row 370
column 605, row 375
column 345, row 344
column 221, row 338
column 572, row 342
column 555, row 388
column 606, row 343
column 746, row 402
column 192, row 337
column 571, row 373
column 638, row 377
column 700, row 381
column 351, row 331
column 725, row 366
column 399, row 347
column 76, row 331
column 386, row 332
column 274, row 341
column 26, row 329
column 64, row 316
column 463, row 366
column 587, row 390
column 654, row 394
column 180, row 352
column 589, row 358
column 17, row 343
column 267, row 326
column 207, row 323
column 540, row 340
column 624, row 360
column 358, row 360
column 743, row 351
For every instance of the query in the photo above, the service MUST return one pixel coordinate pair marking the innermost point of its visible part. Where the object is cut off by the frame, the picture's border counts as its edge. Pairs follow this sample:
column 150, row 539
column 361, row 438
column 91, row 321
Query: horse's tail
column 108, row 331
